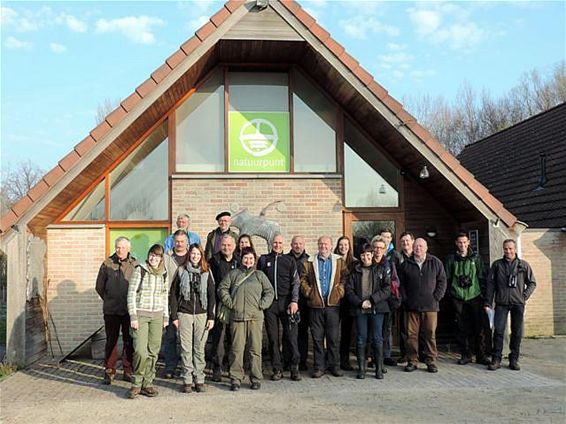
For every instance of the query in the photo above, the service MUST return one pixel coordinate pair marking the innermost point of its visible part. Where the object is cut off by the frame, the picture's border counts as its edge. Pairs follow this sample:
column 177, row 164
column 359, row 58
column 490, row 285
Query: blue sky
column 60, row 60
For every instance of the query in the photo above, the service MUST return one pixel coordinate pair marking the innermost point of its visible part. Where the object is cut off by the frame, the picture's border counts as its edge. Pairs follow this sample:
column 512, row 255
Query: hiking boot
column 495, row 365
column 217, row 376
column 390, row 362
column 336, row 372
column 149, row 391
column 317, row 374
column 187, row 388
column 276, row 376
column 483, row 360
column 464, row 360
column 295, row 375
column 128, row 376
column 432, row 368
column 256, row 385
column 234, row 387
column 514, row 365
column 108, row 377
column 134, row 392
column 200, row 388
column 410, row 367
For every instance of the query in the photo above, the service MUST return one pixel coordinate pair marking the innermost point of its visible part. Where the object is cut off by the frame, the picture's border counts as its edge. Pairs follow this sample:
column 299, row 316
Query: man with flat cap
column 214, row 238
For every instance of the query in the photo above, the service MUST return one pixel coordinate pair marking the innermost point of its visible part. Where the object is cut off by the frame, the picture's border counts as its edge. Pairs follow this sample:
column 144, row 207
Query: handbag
column 224, row 314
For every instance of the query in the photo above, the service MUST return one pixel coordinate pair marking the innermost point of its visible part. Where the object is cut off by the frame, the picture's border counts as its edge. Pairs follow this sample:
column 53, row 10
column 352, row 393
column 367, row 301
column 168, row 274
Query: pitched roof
column 509, row 164
column 404, row 124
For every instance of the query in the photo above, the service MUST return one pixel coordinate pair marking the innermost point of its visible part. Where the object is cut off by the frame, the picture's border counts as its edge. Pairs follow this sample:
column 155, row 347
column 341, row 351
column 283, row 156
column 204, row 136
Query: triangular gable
column 235, row 21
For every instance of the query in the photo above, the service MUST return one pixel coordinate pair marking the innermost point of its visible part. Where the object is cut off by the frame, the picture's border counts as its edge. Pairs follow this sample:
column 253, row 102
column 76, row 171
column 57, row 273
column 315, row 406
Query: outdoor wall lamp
column 495, row 223
column 424, row 174
column 431, row 232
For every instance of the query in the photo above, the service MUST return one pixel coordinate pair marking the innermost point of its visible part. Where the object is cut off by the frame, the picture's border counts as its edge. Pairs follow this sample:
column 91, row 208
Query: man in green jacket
column 466, row 278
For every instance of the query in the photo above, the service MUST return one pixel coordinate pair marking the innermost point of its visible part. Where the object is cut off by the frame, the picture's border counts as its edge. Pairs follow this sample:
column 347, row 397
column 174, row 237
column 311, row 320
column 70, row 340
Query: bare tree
column 472, row 117
column 17, row 181
column 103, row 109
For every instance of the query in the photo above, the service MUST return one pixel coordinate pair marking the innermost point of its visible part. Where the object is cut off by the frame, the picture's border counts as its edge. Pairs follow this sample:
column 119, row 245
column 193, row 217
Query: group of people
column 213, row 304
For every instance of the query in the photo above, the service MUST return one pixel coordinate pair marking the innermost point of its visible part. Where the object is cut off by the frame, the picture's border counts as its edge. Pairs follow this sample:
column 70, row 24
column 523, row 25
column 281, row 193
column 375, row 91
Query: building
column 523, row 166
column 261, row 105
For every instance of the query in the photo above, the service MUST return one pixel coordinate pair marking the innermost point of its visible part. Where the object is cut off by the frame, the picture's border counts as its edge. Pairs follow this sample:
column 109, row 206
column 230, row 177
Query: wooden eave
column 221, row 41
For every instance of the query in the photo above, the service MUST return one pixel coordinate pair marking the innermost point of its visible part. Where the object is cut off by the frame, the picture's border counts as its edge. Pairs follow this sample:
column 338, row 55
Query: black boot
column 378, row 358
column 361, row 356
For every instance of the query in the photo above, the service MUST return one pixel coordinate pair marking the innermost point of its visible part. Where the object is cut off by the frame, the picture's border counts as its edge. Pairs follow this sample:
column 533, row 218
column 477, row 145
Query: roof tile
column 191, row 44
column 146, row 87
column 21, row 205
column 291, row 5
column 319, row 32
column 8, row 219
column 176, row 58
column 303, row 16
column 69, row 160
column 38, row 190
column 233, row 5
column 334, row 46
column 53, row 176
column 405, row 117
column 100, row 130
column 451, row 161
column 392, row 104
column 161, row 73
column 84, row 146
column 435, row 146
column 205, row 31
column 219, row 17
column 349, row 61
column 116, row 116
column 131, row 101
column 364, row 76
column 377, row 90
column 506, row 216
column 420, row 131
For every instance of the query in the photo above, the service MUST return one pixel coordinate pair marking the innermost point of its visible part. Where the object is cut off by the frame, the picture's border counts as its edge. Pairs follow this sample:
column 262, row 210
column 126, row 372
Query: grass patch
column 6, row 370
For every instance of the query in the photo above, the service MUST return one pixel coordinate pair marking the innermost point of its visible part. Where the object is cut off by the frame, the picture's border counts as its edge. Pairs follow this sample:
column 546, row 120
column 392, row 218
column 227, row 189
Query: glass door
column 361, row 227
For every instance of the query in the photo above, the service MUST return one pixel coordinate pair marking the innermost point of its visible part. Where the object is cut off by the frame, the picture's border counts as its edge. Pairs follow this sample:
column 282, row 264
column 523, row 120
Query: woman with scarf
column 344, row 249
column 193, row 302
column 246, row 293
column 148, row 294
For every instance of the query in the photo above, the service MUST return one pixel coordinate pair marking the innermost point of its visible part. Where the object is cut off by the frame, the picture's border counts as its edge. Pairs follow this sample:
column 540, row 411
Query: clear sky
column 60, row 60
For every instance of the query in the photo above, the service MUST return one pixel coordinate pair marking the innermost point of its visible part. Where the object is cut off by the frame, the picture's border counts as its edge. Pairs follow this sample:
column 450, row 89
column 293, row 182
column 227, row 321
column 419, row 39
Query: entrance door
column 361, row 227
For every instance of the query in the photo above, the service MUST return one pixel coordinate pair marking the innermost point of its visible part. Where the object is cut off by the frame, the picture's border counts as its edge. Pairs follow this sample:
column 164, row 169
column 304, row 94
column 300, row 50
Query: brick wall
column 74, row 257
column 545, row 251
column 310, row 206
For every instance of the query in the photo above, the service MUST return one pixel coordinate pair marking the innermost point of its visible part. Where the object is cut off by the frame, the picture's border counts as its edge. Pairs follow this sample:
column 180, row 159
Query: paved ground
column 72, row 392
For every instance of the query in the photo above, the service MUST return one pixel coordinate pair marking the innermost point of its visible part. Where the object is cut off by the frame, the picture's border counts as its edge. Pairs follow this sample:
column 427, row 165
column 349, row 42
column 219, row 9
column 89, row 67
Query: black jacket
column 281, row 270
column 380, row 288
column 112, row 284
column 422, row 289
column 299, row 261
column 220, row 267
column 498, row 282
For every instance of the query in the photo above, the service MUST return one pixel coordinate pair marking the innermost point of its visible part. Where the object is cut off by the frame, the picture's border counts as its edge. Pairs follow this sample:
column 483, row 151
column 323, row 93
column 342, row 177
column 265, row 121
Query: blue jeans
column 375, row 322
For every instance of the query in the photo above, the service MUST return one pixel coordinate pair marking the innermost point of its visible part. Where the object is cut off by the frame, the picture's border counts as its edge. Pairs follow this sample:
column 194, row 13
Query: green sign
column 140, row 238
column 258, row 142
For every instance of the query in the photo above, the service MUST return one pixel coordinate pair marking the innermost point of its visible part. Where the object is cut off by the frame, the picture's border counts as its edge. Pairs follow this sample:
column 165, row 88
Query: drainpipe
column 518, row 228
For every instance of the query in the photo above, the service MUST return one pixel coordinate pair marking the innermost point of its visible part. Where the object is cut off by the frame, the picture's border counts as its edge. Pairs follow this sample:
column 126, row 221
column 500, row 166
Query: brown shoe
column 134, row 392
column 317, row 373
column 187, row 388
column 108, row 377
column 149, row 391
column 200, row 388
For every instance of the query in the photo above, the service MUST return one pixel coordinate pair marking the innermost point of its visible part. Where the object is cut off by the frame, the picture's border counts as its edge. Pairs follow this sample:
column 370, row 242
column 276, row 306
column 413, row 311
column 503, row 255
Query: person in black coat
column 367, row 289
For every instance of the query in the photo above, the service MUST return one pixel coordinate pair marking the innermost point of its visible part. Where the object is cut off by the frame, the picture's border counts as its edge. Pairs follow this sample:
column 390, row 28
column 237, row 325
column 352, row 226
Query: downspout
column 518, row 228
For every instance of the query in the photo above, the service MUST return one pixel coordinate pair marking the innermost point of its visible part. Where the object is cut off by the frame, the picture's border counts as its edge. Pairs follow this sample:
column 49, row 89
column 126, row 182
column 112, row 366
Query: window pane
column 139, row 185
column 91, row 208
column 369, row 182
column 314, row 123
column 200, row 129
column 258, row 92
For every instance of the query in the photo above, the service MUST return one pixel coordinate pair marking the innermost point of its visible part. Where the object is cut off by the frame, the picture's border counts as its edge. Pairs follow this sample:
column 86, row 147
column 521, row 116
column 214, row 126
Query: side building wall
column 74, row 257
column 545, row 251
column 310, row 207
